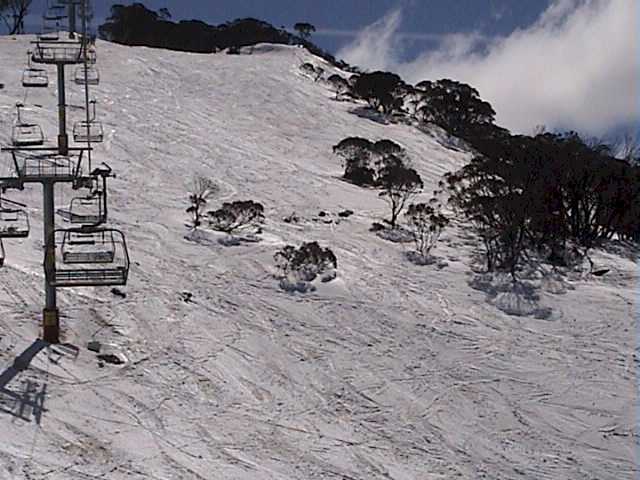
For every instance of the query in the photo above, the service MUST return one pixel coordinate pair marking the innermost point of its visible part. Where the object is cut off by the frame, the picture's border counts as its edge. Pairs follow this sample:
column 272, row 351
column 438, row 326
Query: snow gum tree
column 13, row 13
column 339, row 85
column 399, row 184
column 202, row 188
column 426, row 224
column 236, row 215
column 304, row 30
column 305, row 262
column 382, row 90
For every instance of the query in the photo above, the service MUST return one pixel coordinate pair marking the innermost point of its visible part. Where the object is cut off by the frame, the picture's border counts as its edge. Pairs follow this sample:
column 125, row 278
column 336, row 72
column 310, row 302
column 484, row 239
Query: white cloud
column 376, row 46
column 577, row 67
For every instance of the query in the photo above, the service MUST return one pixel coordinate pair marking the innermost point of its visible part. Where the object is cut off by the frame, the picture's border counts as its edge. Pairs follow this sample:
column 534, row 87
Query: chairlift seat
column 91, row 131
column 87, row 210
column 35, row 77
column 84, row 219
column 14, row 223
column 27, row 135
column 82, row 277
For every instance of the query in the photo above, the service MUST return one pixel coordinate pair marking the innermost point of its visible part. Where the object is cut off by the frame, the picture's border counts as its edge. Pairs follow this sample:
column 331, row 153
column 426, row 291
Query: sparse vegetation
column 304, row 30
column 136, row 25
column 13, row 13
column 236, row 215
column 382, row 164
column 319, row 73
column 202, row 188
column 339, row 85
column 308, row 69
column 382, row 90
column 551, row 194
column 426, row 223
column 306, row 262
column 452, row 105
column 357, row 153
column 399, row 184
column 364, row 160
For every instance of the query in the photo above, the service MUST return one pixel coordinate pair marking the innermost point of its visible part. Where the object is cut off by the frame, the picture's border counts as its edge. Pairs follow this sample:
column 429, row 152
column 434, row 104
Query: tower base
column 63, row 144
column 51, row 325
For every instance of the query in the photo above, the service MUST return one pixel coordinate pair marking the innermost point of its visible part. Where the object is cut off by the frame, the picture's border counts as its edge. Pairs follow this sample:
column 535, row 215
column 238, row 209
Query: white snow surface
column 391, row 371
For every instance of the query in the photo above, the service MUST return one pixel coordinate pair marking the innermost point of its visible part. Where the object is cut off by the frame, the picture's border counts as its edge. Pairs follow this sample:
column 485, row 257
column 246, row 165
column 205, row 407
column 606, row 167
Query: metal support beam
column 63, row 138
column 72, row 20
column 50, row 317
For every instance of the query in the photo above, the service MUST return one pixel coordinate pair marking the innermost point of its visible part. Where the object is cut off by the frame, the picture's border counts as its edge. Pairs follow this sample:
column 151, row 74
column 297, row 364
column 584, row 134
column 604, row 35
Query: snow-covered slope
column 391, row 371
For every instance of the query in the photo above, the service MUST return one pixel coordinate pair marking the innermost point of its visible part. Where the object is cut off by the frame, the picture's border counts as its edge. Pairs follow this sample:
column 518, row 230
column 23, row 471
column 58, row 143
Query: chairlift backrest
column 91, row 130
column 98, row 246
column 9, row 215
column 88, row 132
column 34, row 77
column 89, row 201
column 92, row 75
column 25, row 134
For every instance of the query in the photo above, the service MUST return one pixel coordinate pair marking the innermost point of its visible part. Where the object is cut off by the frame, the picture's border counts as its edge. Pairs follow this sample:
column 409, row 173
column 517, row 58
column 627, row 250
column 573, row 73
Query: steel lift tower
column 88, row 254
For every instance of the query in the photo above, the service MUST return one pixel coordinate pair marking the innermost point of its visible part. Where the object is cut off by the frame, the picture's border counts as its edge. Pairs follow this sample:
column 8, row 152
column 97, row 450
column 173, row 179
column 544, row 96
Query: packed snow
column 391, row 371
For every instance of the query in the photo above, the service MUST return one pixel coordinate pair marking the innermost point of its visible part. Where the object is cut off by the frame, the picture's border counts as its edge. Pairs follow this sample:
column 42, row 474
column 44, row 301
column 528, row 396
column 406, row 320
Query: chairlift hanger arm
column 107, row 171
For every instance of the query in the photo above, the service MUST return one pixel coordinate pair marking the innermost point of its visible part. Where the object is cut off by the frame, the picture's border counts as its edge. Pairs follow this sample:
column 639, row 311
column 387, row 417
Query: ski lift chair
column 14, row 223
column 97, row 246
column 25, row 134
column 34, row 77
column 92, row 76
column 91, row 257
column 89, row 131
column 57, row 10
column 86, row 210
column 57, row 52
column 50, row 28
column 92, row 56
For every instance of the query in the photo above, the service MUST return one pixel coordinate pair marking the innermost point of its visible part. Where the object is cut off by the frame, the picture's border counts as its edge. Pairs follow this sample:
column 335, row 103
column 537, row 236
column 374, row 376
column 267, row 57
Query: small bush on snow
column 236, row 215
column 306, row 262
column 426, row 224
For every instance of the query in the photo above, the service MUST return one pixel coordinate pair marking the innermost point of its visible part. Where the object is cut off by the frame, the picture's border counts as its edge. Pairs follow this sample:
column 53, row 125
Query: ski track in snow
column 392, row 371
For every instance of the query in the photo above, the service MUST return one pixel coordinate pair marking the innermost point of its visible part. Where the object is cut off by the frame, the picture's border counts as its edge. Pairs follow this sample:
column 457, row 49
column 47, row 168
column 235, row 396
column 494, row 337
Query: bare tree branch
column 13, row 13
